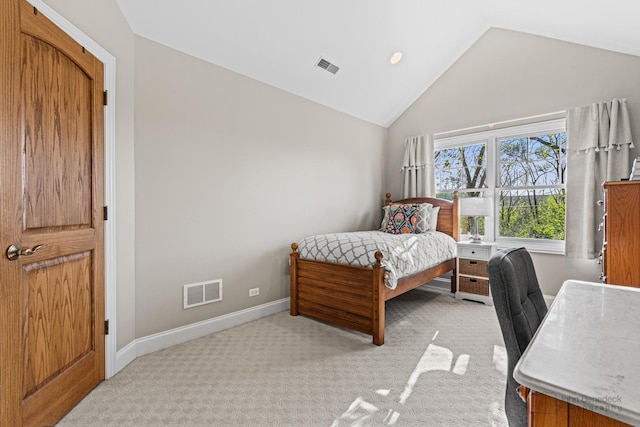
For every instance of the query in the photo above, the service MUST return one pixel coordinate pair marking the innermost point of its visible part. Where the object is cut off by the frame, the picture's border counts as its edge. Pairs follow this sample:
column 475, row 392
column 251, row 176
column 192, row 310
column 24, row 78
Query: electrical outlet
column 253, row 292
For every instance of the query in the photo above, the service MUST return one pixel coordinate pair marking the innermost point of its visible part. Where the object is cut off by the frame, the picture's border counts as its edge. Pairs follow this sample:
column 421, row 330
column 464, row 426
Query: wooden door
column 51, row 204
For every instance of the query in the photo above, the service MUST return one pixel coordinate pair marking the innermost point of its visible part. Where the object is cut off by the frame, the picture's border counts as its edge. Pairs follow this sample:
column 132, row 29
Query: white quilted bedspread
column 404, row 254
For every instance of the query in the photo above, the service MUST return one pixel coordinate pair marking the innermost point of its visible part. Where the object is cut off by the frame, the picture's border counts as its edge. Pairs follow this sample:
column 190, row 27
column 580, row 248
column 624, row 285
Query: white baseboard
column 161, row 340
column 124, row 356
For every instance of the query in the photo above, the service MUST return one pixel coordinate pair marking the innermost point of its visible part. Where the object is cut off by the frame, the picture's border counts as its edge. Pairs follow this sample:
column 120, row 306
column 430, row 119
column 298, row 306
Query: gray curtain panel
column 598, row 142
column 418, row 167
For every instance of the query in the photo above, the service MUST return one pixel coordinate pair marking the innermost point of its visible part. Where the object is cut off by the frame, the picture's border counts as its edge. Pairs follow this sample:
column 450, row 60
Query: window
column 523, row 168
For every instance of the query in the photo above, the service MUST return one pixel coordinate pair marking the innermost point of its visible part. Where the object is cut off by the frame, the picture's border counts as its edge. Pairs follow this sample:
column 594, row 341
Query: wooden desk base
column 547, row 411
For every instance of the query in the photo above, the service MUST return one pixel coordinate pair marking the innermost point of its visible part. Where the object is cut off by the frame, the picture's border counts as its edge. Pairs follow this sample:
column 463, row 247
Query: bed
column 354, row 296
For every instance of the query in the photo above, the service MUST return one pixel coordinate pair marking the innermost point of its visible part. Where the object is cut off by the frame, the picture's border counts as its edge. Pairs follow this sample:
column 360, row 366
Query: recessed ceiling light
column 395, row 58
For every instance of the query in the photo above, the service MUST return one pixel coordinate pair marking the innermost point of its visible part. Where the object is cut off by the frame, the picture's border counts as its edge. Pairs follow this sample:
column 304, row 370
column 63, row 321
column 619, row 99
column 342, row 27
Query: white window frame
column 492, row 140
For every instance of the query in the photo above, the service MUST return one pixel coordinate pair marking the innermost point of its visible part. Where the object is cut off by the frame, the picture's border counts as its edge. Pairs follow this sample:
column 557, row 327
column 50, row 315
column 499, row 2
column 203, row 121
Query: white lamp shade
column 476, row 206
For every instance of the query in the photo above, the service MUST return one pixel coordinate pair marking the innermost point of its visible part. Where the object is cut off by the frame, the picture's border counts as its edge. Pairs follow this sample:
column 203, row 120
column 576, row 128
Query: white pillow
column 424, row 217
column 385, row 218
column 434, row 218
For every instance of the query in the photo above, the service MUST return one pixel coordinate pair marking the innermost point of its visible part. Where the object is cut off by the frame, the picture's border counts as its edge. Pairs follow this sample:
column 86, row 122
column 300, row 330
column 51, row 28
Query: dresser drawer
column 472, row 267
column 475, row 251
column 473, row 286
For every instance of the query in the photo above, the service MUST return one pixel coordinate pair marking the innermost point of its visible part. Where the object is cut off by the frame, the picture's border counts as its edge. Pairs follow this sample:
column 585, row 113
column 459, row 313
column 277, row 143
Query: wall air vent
column 202, row 293
column 326, row 65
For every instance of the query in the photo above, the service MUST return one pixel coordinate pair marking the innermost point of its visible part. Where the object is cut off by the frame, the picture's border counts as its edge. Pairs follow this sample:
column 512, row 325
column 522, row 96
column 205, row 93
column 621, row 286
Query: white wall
column 230, row 172
column 509, row 75
column 104, row 23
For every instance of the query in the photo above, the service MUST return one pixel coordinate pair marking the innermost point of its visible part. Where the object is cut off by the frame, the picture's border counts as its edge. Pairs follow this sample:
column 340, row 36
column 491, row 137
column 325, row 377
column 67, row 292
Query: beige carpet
column 443, row 364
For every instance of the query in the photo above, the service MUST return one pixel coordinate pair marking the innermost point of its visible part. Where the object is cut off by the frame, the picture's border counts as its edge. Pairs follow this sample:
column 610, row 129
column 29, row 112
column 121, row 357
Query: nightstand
column 471, row 271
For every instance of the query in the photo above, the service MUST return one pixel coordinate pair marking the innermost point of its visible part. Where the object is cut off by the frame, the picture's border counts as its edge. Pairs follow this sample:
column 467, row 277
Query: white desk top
column 587, row 350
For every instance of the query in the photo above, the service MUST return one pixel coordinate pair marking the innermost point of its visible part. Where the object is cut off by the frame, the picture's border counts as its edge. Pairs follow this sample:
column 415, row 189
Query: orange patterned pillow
column 427, row 217
column 402, row 219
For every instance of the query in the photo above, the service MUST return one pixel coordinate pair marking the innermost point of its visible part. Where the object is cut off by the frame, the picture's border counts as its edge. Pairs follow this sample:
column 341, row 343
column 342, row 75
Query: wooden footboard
column 341, row 294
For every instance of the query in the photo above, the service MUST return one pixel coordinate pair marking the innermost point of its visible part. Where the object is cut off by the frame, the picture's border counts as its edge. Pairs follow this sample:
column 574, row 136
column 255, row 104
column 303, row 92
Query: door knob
column 15, row 251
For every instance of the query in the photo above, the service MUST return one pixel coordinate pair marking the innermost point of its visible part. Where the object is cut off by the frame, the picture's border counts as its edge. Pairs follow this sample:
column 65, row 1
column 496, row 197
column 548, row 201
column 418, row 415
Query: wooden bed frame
column 353, row 296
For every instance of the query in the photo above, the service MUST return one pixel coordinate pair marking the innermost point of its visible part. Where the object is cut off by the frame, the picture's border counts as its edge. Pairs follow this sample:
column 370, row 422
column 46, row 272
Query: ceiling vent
column 326, row 65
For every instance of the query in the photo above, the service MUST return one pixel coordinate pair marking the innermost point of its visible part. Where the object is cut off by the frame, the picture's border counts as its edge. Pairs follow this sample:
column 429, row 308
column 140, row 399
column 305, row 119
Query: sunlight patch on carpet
column 500, row 359
column 461, row 364
column 435, row 358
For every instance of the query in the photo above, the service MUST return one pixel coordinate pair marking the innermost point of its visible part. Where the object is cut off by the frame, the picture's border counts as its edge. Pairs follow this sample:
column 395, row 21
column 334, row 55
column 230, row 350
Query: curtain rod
column 497, row 125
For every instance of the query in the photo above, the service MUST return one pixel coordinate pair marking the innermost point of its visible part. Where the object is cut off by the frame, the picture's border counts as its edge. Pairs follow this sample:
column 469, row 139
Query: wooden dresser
column 621, row 247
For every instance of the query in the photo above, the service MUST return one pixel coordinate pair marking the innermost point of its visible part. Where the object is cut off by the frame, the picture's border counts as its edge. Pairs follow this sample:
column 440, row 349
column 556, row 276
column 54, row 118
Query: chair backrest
column 517, row 298
column 520, row 308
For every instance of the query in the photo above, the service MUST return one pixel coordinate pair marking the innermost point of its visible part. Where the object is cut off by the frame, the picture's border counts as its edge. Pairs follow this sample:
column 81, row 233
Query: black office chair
column 520, row 308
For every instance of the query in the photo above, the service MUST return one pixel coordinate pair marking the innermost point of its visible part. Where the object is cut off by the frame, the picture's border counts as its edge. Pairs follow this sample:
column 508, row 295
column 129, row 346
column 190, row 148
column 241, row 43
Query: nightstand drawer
column 475, row 251
column 473, row 286
column 472, row 267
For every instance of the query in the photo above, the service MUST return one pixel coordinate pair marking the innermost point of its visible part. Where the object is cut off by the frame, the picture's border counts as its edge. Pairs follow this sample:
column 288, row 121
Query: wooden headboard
column 448, row 216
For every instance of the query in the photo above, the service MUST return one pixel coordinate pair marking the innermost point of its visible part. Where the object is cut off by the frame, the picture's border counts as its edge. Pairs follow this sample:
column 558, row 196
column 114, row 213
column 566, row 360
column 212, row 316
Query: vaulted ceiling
column 279, row 42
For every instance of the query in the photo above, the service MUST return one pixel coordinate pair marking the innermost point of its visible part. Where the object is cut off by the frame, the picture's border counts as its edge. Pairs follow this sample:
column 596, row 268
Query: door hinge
column 105, row 211
column 105, row 97
column 106, row 327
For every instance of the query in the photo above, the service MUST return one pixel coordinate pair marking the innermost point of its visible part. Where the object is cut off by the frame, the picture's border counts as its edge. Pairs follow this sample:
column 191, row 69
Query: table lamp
column 475, row 207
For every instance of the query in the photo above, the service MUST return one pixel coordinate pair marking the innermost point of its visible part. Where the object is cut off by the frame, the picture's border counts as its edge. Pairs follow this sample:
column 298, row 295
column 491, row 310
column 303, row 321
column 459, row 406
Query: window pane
column 544, row 173
column 448, row 158
column 532, row 214
column 461, row 167
column 447, row 195
column 541, row 147
column 448, row 179
column 513, row 150
column 535, row 160
column 513, row 174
